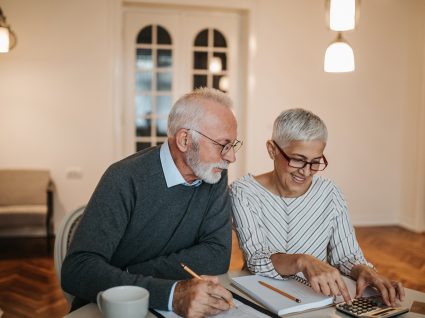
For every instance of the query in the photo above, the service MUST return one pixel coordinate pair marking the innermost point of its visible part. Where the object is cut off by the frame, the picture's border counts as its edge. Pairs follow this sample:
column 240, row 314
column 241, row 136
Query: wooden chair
column 63, row 240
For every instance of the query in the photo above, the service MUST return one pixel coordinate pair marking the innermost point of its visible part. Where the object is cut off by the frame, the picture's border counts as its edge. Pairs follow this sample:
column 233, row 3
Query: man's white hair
column 188, row 112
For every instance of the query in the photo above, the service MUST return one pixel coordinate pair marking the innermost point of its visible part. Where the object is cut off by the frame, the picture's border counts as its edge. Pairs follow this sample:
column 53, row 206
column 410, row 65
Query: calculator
column 370, row 307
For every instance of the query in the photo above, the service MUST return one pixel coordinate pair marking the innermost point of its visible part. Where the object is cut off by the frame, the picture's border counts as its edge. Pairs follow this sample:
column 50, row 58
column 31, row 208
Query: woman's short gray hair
column 298, row 124
column 187, row 111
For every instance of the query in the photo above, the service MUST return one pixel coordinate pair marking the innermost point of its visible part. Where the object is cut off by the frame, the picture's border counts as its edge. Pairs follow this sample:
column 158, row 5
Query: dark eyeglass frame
column 288, row 159
column 236, row 144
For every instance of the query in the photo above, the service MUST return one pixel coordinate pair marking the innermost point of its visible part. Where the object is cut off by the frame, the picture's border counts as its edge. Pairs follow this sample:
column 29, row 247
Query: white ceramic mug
column 123, row 302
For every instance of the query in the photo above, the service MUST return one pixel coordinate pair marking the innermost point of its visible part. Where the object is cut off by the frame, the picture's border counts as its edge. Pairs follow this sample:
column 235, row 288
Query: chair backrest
column 23, row 187
column 63, row 240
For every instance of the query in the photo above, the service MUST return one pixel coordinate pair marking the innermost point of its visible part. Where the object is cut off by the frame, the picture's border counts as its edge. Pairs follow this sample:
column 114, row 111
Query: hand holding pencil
column 194, row 275
column 202, row 296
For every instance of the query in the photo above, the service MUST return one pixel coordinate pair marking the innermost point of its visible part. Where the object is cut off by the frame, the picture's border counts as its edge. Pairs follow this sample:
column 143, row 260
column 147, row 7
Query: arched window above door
column 210, row 67
column 153, row 85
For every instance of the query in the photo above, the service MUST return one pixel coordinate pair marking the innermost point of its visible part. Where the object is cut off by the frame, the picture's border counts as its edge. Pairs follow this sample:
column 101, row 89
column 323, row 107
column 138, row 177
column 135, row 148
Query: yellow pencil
column 193, row 274
column 280, row 291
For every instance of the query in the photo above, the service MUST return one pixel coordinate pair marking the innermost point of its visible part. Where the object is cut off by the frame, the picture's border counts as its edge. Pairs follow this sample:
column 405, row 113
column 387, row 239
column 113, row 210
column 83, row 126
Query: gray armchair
column 26, row 203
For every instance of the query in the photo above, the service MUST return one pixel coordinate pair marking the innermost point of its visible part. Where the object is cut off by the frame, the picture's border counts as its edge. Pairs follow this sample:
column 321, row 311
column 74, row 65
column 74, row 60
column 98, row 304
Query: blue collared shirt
column 173, row 177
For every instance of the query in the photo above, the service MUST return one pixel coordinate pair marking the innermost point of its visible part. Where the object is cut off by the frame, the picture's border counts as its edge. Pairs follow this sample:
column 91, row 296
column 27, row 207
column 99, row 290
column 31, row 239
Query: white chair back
column 63, row 240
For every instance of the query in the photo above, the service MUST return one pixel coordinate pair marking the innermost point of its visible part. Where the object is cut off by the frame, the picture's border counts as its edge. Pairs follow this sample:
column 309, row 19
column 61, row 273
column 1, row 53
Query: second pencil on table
column 280, row 291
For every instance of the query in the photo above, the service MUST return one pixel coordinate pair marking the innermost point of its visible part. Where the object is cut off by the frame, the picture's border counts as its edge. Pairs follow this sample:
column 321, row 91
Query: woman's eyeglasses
column 300, row 164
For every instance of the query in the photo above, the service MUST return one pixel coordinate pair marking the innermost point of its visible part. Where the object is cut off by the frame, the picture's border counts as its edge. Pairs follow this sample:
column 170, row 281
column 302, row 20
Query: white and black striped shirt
column 315, row 223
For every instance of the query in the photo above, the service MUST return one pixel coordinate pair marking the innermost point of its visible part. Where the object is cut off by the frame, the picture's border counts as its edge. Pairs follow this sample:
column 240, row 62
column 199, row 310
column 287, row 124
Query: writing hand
column 200, row 298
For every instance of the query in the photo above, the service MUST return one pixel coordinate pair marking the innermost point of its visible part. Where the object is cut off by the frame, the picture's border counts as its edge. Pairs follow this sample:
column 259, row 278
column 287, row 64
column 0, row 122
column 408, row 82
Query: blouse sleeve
column 344, row 250
column 252, row 238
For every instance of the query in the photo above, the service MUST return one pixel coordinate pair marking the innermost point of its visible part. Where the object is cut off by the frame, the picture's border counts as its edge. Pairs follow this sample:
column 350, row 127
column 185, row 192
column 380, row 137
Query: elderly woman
column 290, row 220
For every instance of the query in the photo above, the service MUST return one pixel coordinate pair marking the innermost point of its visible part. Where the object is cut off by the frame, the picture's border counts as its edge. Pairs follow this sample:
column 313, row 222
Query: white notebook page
column 241, row 311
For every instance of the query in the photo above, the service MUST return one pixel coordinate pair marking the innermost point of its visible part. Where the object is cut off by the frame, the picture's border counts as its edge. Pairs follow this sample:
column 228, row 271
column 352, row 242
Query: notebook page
column 241, row 311
column 277, row 303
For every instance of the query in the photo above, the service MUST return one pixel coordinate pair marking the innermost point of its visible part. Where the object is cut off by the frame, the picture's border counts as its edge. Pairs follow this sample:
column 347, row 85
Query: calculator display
column 370, row 307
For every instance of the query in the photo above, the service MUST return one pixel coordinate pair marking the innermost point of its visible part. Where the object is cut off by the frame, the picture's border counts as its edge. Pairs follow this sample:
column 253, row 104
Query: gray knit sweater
column 136, row 231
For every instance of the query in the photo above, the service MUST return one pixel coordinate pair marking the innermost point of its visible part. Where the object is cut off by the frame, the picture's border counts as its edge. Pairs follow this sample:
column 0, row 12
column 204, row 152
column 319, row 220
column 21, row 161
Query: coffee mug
column 123, row 302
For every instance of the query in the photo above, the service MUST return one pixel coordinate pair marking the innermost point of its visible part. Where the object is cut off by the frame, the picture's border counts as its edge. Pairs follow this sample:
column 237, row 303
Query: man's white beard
column 204, row 171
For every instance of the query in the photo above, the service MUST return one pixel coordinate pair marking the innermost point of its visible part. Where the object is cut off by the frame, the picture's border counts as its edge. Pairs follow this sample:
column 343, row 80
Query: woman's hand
column 324, row 278
column 366, row 276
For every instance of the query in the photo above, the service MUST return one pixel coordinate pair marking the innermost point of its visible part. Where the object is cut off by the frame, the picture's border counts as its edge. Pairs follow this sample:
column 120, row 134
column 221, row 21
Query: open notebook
column 241, row 311
column 295, row 286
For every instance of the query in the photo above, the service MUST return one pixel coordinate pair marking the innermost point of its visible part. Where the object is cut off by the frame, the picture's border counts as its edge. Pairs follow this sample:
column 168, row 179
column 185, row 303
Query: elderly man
column 161, row 207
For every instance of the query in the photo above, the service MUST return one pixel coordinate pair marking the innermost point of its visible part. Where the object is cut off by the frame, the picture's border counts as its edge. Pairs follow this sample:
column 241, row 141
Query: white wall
column 57, row 100
column 413, row 119
column 55, row 105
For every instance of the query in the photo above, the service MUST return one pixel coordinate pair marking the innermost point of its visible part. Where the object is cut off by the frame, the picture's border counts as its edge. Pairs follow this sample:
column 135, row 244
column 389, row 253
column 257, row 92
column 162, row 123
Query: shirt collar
column 172, row 175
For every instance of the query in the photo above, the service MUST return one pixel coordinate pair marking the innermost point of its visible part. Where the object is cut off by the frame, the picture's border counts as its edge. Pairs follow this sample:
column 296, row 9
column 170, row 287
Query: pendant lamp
column 339, row 57
column 215, row 65
column 342, row 14
column 7, row 36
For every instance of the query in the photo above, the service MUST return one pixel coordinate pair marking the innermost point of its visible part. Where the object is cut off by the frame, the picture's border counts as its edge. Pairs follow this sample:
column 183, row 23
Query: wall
column 413, row 132
column 56, row 106
column 60, row 109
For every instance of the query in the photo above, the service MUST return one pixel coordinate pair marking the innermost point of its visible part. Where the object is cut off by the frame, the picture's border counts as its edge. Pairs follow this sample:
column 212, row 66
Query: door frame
column 247, row 11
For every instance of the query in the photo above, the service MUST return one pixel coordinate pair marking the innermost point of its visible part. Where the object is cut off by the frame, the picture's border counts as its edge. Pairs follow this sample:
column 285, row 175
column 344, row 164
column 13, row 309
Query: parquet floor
column 396, row 253
column 29, row 287
column 28, row 282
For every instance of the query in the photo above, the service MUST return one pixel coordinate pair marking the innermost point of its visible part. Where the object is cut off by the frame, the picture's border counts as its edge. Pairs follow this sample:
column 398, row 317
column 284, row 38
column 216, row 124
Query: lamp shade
column 215, row 65
column 223, row 83
column 7, row 36
column 339, row 57
column 342, row 15
column 4, row 40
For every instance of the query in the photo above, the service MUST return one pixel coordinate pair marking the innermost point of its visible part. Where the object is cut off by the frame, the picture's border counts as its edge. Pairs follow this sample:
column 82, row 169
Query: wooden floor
column 29, row 287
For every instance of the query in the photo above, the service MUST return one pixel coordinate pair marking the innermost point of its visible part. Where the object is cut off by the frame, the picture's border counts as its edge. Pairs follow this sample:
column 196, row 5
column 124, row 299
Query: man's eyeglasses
column 236, row 145
column 300, row 164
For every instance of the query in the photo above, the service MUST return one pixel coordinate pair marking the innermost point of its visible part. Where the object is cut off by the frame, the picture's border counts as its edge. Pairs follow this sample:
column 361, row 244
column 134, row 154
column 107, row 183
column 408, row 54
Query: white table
column 91, row 310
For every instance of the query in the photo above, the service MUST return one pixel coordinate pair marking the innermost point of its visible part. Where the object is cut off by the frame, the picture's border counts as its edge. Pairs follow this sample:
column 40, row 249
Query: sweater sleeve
column 250, row 234
column 87, row 268
column 211, row 254
column 344, row 251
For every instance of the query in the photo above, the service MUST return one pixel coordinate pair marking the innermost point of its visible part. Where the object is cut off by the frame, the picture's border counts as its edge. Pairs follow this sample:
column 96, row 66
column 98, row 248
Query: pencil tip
column 182, row 265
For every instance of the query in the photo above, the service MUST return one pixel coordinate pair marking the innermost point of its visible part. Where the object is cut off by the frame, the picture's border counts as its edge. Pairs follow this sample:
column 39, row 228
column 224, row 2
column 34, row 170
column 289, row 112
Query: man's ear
column 182, row 139
column 271, row 149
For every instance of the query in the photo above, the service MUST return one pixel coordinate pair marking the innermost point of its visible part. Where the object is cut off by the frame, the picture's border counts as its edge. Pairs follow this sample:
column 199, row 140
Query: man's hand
column 199, row 298
column 324, row 278
column 391, row 291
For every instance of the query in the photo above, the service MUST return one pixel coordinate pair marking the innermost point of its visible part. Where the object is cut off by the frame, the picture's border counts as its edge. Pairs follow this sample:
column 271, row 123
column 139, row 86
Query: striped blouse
column 315, row 223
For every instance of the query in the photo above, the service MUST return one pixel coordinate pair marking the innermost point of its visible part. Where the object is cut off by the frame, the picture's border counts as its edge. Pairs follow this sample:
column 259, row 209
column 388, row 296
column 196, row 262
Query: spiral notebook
column 296, row 286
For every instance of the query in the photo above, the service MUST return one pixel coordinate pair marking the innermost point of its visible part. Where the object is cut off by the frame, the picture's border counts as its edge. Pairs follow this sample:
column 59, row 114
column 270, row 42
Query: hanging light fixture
column 215, row 65
column 339, row 57
column 342, row 14
column 7, row 36
column 223, row 83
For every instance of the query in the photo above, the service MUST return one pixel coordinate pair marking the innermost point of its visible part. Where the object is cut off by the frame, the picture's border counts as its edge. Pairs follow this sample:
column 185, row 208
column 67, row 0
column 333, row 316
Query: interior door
column 183, row 27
